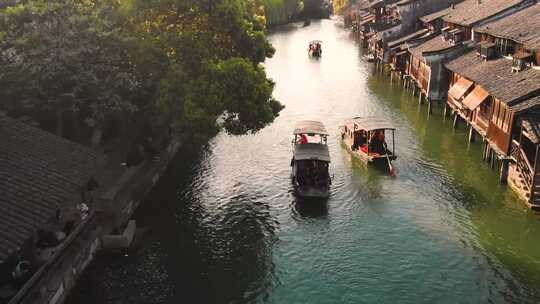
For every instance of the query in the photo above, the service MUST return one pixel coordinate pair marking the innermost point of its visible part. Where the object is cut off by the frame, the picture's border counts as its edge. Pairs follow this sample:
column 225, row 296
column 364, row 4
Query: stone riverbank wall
column 52, row 283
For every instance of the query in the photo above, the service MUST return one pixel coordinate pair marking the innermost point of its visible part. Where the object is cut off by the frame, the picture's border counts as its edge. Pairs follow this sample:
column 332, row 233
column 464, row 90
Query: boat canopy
column 369, row 124
column 311, row 152
column 315, row 41
column 310, row 127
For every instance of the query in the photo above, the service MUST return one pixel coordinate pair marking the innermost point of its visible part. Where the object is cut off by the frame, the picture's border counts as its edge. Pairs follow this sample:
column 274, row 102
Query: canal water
column 225, row 226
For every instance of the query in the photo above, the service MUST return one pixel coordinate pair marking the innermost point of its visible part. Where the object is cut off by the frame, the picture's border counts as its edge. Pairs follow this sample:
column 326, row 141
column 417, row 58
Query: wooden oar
column 391, row 171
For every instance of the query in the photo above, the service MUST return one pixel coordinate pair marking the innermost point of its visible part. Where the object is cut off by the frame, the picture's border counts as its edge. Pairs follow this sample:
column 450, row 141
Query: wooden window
column 495, row 112
column 502, row 116
column 507, row 119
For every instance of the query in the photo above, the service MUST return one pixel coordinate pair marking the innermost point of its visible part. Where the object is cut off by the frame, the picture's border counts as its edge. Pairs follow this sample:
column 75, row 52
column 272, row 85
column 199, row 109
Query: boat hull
column 316, row 54
column 311, row 192
column 375, row 161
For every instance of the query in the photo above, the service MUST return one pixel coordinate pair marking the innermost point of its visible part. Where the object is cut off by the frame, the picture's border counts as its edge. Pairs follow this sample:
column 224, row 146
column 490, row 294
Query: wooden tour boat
column 365, row 139
column 310, row 160
column 315, row 48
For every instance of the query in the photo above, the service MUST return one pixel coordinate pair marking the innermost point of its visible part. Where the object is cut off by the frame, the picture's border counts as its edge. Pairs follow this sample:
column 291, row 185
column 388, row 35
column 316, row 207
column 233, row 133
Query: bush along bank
column 280, row 12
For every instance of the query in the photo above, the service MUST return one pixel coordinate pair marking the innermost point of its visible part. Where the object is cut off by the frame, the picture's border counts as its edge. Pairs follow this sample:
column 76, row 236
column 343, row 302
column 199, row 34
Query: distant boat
column 307, row 22
column 369, row 57
column 315, row 48
column 310, row 160
column 365, row 139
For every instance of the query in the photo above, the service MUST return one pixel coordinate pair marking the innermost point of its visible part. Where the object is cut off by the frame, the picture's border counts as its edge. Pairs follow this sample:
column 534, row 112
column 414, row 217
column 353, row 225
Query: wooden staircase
column 527, row 181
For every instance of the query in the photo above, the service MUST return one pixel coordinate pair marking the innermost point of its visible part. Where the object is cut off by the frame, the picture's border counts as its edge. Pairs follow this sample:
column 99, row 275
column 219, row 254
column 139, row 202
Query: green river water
column 225, row 226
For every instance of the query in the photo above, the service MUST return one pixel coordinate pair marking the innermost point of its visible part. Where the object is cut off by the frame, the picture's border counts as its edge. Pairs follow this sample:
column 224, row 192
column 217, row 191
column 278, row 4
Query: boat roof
column 310, row 127
column 316, row 41
column 369, row 123
column 311, row 151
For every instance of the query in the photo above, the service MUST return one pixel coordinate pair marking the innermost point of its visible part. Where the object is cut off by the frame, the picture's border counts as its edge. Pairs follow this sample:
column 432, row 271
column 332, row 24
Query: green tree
column 66, row 56
column 193, row 64
column 214, row 49
column 234, row 94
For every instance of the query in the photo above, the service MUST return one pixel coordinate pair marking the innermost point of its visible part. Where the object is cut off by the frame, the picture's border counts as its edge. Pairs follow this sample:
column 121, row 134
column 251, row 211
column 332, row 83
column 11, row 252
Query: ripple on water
column 433, row 234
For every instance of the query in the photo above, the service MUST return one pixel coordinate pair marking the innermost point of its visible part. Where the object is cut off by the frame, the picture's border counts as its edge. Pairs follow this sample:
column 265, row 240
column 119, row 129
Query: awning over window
column 460, row 88
column 475, row 98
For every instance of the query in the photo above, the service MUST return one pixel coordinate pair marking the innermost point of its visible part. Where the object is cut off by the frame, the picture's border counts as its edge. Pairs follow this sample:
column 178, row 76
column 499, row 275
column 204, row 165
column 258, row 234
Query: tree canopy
column 193, row 64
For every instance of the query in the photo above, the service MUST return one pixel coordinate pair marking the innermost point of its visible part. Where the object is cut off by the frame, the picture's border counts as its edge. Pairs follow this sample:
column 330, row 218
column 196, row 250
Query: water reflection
column 310, row 208
column 502, row 224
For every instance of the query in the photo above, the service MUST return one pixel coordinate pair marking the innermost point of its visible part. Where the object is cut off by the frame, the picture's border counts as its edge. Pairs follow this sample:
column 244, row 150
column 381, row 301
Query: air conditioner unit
column 488, row 51
column 456, row 35
column 520, row 61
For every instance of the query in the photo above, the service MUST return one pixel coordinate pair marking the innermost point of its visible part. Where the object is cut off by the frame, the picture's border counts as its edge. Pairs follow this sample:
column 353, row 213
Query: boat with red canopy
column 366, row 139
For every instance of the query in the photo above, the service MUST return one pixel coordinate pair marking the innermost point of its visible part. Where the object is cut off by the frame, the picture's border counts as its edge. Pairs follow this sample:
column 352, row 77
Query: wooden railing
column 524, row 167
column 514, row 149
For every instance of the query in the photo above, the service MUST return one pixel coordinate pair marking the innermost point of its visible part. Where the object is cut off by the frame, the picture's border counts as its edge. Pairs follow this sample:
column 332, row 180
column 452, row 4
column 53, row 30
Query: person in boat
column 303, row 139
column 360, row 139
column 376, row 144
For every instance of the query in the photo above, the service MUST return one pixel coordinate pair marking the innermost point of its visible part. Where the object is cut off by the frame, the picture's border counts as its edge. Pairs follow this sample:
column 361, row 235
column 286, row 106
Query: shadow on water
column 310, row 207
column 193, row 254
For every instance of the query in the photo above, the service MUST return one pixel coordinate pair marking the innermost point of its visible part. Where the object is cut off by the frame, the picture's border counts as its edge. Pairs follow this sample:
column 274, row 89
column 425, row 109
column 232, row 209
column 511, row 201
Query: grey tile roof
column 531, row 123
column 469, row 12
column 404, row 39
column 38, row 172
column 496, row 76
column 522, row 26
column 432, row 45
column 435, row 15
column 526, row 105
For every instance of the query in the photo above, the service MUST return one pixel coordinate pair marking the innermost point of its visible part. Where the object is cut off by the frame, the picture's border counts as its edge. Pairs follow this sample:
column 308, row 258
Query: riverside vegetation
column 91, row 70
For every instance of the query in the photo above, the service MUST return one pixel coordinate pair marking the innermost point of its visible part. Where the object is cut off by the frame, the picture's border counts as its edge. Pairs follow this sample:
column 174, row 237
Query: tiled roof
column 496, row 76
column 470, row 12
column 530, row 103
column 432, row 45
column 401, row 40
column 522, row 26
column 403, row 2
column 531, row 123
column 435, row 16
column 38, row 172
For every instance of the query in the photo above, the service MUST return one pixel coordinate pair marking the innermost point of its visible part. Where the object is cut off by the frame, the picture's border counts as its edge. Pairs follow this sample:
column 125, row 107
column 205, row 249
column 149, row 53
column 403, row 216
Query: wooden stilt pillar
column 484, row 154
column 420, row 97
column 504, row 171
column 472, row 134
column 429, row 106
column 455, row 124
column 493, row 159
column 445, row 113
column 391, row 76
